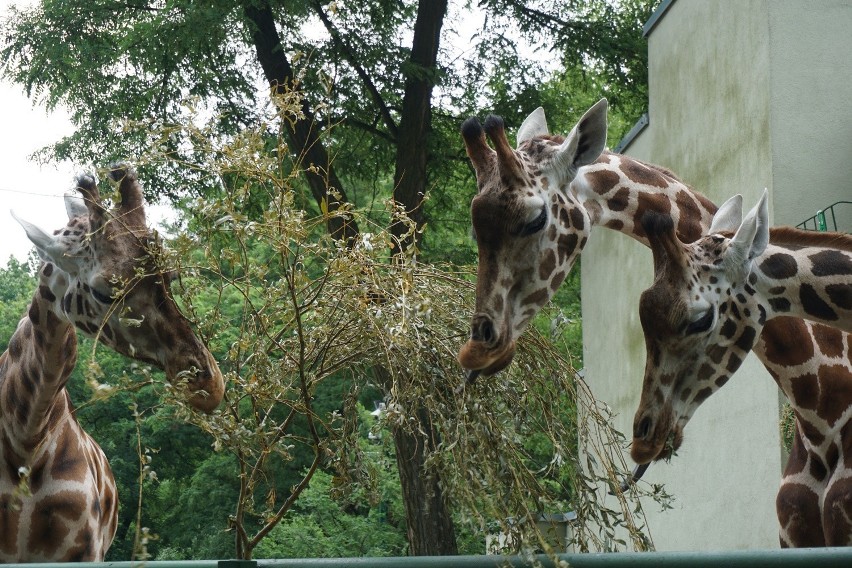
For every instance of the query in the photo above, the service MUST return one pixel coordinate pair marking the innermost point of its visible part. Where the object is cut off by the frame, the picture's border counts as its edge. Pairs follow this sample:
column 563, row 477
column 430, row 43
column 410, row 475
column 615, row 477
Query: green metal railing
column 824, row 220
column 790, row 558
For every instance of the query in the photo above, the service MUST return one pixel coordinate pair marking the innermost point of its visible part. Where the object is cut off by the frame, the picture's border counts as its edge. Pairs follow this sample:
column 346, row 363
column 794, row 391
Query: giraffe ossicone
column 58, row 500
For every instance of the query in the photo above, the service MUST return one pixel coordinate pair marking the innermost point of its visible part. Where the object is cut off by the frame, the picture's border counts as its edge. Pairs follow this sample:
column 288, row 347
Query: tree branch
column 383, row 109
column 324, row 183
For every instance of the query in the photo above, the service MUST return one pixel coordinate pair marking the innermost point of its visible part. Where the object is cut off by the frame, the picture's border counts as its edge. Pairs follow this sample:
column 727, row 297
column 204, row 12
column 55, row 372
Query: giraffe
column 532, row 215
column 709, row 301
column 58, row 497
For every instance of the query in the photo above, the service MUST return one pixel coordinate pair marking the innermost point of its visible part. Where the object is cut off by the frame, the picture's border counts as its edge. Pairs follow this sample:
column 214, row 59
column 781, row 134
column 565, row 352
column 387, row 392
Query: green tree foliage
column 17, row 285
column 379, row 94
column 367, row 521
column 111, row 62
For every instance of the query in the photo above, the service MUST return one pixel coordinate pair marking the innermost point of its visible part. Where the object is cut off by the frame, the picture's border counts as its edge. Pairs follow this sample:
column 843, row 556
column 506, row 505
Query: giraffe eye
column 700, row 325
column 535, row 225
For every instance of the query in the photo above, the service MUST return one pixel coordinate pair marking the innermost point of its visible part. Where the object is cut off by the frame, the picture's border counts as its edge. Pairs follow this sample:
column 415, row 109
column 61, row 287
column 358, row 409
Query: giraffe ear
column 752, row 237
column 533, row 125
column 586, row 140
column 48, row 247
column 729, row 216
column 75, row 206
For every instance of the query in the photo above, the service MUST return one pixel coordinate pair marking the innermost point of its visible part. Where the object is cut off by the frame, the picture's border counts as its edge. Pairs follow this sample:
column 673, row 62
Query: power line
column 30, row 192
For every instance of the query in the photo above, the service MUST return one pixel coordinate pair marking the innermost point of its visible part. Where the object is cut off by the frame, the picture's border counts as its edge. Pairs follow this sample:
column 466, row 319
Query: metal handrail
column 824, row 220
column 774, row 558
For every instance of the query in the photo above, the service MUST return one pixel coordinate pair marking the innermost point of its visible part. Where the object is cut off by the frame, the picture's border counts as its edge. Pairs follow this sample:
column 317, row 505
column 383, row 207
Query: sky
column 35, row 191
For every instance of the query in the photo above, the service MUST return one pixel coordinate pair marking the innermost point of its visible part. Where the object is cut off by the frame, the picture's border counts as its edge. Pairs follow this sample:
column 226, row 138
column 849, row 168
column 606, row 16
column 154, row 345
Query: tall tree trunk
column 304, row 133
column 415, row 122
column 430, row 526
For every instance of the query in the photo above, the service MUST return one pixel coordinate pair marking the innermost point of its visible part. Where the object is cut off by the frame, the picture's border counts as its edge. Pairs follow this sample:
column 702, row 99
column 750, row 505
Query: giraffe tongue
column 470, row 376
column 637, row 474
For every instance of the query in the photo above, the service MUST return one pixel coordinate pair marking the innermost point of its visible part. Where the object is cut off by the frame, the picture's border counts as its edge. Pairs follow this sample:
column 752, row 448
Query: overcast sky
column 35, row 191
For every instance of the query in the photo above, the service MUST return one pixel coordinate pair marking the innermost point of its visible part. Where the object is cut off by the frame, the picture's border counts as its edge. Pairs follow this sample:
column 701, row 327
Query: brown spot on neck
column 835, row 392
column 649, row 202
column 689, row 227
column 602, row 181
column 644, row 174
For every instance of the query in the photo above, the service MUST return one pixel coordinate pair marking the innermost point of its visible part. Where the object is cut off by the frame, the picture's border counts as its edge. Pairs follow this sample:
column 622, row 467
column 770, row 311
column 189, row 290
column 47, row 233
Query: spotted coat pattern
column 58, row 500
column 616, row 192
column 710, row 302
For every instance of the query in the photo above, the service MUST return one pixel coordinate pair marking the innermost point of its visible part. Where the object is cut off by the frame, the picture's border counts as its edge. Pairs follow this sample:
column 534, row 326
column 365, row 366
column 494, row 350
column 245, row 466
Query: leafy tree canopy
column 124, row 68
column 378, row 90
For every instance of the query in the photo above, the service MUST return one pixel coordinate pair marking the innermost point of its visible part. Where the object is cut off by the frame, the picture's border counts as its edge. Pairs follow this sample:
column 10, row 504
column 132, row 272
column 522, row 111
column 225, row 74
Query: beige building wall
column 741, row 98
column 811, row 107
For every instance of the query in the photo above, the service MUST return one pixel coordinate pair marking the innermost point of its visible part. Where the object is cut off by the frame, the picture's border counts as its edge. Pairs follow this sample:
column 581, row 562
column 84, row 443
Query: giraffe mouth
column 477, row 359
column 658, row 444
column 203, row 383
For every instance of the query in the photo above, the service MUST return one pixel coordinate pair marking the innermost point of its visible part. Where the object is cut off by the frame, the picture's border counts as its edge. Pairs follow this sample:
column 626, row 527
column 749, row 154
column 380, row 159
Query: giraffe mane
column 557, row 138
column 663, row 170
column 799, row 237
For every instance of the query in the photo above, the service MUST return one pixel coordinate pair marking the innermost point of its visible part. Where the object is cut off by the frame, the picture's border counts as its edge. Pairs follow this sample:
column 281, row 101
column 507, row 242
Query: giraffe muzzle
column 477, row 359
column 488, row 351
column 655, row 438
column 202, row 378
column 482, row 330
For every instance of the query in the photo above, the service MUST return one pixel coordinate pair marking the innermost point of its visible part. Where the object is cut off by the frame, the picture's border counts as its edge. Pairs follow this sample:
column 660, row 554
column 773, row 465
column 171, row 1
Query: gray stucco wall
column 811, row 107
column 743, row 95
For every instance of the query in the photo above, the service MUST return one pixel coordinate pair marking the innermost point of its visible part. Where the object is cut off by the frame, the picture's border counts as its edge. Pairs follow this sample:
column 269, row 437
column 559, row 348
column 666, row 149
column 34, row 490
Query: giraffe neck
column 618, row 190
column 807, row 278
column 809, row 362
column 818, row 387
column 43, row 445
column 813, row 373
column 41, row 355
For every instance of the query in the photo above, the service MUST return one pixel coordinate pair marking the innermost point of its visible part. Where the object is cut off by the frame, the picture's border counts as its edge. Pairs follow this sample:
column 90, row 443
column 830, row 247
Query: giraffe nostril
column 642, row 428
column 487, row 332
column 482, row 330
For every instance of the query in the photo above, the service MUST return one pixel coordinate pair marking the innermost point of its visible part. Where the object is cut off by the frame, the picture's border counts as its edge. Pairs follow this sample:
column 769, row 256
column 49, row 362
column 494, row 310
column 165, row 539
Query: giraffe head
column 101, row 273
column 528, row 227
column 700, row 319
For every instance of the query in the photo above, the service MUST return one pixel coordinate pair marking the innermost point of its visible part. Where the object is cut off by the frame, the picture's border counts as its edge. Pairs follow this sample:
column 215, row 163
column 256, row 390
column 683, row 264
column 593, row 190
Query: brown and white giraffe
column 709, row 301
column 58, row 498
column 532, row 215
